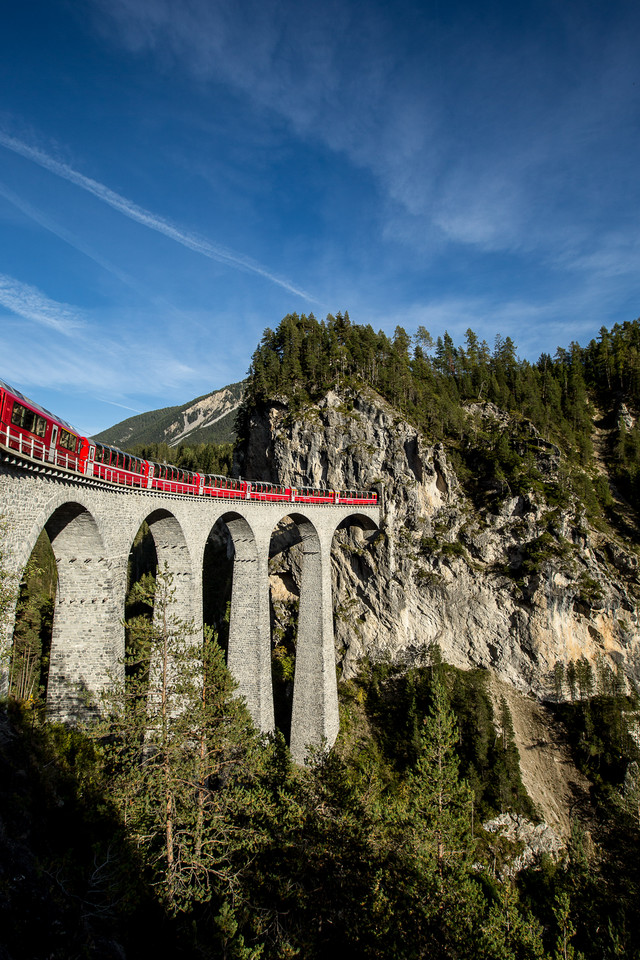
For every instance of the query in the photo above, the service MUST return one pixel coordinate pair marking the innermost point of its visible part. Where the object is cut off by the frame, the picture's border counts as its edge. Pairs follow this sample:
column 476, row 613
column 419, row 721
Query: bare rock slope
column 444, row 571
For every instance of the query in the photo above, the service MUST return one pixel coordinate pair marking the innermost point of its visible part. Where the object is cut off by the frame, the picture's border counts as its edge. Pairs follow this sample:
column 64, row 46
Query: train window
column 67, row 440
column 28, row 420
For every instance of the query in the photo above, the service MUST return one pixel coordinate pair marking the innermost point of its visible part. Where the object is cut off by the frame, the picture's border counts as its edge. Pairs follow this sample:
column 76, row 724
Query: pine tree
column 173, row 735
column 507, row 932
column 440, row 804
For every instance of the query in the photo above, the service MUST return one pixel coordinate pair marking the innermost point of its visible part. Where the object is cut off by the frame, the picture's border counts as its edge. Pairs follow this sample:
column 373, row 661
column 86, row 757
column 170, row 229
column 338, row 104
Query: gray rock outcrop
column 523, row 590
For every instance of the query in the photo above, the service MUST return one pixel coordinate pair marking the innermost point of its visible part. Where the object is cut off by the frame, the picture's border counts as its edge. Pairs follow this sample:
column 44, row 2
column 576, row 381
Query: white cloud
column 123, row 368
column 502, row 139
column 27, row 302
column 144, row 217
column 123, row 406
column 63, row 234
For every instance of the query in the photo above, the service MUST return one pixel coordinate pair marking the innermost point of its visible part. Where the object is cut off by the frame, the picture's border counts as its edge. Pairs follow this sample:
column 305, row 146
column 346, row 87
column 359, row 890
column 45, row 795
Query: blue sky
column 177, row 175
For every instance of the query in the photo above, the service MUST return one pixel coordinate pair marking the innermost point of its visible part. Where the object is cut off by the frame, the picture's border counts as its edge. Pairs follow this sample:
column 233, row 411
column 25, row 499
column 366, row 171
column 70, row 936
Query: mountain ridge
column 209, row 418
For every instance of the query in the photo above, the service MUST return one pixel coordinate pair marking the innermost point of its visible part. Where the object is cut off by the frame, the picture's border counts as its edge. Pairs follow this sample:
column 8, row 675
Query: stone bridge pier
column 92, row 527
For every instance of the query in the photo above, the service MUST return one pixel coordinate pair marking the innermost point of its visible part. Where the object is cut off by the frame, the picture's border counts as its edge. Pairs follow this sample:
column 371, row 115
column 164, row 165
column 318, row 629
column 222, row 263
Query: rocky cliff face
column 524, row 590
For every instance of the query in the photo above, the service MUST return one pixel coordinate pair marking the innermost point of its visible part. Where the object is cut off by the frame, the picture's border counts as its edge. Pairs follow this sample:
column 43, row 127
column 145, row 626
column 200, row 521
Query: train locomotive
column 32, row 432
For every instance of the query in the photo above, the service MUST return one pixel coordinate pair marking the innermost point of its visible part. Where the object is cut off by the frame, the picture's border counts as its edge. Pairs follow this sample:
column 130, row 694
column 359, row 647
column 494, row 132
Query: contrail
column 114, row 404
column 73, row 241
column 62, row 234
column 145, row 217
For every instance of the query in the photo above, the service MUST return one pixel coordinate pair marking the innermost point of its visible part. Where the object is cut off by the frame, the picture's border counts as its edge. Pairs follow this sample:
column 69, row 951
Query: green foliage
column 397, row 702
column 168, row 733
column 70, row 879
column 540, row 551
column 303, row 358
column 366, row 851
column 598, row 728
column 439, row 803
column 216, row 458
column 594, row 899
column 34, row 623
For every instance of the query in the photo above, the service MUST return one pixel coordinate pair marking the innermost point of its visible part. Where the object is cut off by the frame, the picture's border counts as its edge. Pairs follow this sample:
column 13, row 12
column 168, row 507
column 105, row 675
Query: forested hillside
column 207, row 419
column 584, row 399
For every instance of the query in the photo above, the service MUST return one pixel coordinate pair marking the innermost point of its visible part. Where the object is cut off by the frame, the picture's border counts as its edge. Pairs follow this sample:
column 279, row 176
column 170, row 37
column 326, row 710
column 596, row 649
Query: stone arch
column 353, row 562
column 362, row 520
column 249, row 648
column 87, row 640
column 174, row 556
column 176, row 615
column 30, row 640
column 286, row 558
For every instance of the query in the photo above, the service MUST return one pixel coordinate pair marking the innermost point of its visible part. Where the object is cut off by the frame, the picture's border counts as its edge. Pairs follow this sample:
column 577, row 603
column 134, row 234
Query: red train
column 33, row 432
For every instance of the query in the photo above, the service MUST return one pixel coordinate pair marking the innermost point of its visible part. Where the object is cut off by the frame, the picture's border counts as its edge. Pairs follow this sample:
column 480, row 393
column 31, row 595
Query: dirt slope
column 556, row 786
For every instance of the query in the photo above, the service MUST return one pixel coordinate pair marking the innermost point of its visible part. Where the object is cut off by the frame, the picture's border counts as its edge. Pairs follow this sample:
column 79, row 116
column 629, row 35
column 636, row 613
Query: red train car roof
column 36, row 406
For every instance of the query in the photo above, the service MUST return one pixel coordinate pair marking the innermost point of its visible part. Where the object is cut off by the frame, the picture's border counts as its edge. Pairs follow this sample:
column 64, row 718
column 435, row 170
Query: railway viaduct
column 92, row 526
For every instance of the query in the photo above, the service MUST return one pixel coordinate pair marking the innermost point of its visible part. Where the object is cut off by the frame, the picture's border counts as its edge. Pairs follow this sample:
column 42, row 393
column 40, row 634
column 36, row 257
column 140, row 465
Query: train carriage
column 30, row 430
column 223, row 488
column 172, row 479
column 115, row 466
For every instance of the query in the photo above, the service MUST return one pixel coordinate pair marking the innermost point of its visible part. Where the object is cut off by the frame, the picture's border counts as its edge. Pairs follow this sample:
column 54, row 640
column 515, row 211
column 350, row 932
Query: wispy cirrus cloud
column 123, row 367
column 480, row 135
column 30, row 304
column 51, row 225
column 145, row 217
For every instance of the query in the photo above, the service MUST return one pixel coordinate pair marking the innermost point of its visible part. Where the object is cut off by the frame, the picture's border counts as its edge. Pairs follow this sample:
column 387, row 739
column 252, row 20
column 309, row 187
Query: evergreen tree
column 172, row 735
column 439, row 803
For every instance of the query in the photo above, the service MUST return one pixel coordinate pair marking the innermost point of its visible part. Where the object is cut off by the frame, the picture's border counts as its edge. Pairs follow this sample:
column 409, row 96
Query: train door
column 91, row 459
column 150, row 477
column 52, row 442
